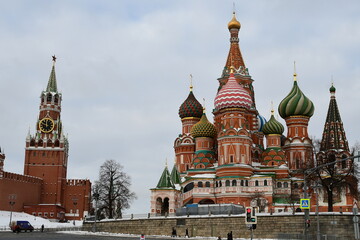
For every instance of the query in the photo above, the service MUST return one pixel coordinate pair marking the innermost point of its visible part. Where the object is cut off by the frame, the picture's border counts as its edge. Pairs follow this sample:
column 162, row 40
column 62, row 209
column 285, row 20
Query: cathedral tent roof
column 175, row 176
column 165, row 180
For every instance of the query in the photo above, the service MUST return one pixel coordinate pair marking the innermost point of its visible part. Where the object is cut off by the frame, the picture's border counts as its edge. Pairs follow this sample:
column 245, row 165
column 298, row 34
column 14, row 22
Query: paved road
column 63, row 236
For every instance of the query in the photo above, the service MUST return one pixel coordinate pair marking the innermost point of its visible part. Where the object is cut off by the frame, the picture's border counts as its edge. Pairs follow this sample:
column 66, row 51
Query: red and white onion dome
column 232, row 95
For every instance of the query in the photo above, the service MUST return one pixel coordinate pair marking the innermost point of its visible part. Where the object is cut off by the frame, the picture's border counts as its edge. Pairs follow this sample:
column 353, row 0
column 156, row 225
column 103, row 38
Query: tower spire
column 333, row 135
column 52, row 86
column 234, row 57
column 295, row 75
column 191, row 84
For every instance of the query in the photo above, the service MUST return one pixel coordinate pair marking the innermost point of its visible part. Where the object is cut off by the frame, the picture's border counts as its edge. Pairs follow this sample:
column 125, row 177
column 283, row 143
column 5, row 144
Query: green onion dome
column 203, row 128
column 273, row 126
column 190, row 107
column 296, row 103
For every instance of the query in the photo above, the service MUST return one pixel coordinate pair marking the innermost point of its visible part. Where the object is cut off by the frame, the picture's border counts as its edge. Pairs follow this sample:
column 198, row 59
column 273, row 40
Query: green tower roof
column 175, row 175
column 165, row 180
column 52, row 86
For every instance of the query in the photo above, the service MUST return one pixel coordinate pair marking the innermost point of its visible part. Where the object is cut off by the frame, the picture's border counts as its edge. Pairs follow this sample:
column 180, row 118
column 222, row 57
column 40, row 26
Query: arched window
column 220, row 184
column 265, row 182
column 246, row 183
column 56, row 99
column 207, row 184
column 216, row 184
column 242, row 183
column 200, row 184
column 256, row 183
column 233, row 183
column 48, row 98
column 188, row 187
column 286, row 185
column 296, row 185
column 227, row 183
column 279, row 185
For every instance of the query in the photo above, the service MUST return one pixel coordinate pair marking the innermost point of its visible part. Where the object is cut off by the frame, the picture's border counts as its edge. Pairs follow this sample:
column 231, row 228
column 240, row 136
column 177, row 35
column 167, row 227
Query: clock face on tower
column 46, row 125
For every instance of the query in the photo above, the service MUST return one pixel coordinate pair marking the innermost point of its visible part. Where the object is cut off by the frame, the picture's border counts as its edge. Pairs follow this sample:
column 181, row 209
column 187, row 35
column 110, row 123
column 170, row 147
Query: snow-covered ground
column 36, row 222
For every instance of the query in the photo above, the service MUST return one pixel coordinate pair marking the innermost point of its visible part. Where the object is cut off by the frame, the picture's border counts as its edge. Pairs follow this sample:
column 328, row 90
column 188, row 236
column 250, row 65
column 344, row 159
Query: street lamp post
column 96, row 197
column 12, row 198
column 75, row 203
column 11, row 208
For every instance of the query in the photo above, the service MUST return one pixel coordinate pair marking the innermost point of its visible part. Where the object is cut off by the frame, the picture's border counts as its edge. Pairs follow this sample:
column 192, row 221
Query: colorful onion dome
column 332, row 88
column 203, row 128
column 232, row 95
column 190, row 107
column 261, row 122
column 273, row 126
column 296, row 103
column 234, row 23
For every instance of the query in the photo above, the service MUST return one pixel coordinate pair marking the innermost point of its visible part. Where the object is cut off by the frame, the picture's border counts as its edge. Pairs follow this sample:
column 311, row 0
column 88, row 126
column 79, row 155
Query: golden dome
column 234, row 23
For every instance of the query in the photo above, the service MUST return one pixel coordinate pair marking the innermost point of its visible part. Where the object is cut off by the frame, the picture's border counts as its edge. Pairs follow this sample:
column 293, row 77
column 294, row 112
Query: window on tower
column 48, row 98
column 200, row 184
column 227, row 183
column 256, row 183
column 233, row 182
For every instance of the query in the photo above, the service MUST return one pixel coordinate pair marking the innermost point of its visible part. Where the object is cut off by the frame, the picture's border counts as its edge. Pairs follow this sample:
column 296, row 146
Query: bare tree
column 113, row 189
column 333, row 179
column 258, row 200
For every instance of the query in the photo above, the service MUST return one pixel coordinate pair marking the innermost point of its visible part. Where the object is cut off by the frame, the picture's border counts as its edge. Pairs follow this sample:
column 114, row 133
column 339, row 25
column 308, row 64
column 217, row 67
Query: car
column 17, row 226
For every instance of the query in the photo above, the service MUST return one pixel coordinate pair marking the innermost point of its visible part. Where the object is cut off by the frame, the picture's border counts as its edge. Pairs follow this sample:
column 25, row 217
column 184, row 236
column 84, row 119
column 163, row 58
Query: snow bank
column 36, row 222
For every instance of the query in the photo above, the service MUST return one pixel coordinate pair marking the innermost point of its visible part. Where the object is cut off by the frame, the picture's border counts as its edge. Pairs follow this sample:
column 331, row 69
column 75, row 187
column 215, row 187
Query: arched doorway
column 165, row 207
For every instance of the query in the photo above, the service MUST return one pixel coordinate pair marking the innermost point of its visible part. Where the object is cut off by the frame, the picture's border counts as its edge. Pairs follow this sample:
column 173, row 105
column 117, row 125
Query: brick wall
column 26, row 189
column 267, row 227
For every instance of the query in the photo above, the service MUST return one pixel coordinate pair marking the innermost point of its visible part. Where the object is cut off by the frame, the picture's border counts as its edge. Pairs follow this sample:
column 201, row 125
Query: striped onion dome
column 273, row 126
column 203, row 128
column 190, row 107
column 296, row 103
column 261, row 122
column 232, row 95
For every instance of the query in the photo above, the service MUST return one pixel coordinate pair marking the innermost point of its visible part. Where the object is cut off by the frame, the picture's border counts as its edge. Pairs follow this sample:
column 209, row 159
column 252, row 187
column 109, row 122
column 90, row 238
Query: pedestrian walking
column 173, row 233
column 42, row 228
column 187, row 233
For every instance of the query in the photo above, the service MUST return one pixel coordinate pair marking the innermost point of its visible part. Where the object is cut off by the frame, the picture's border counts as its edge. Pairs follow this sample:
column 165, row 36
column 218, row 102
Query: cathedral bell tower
column 46, row 151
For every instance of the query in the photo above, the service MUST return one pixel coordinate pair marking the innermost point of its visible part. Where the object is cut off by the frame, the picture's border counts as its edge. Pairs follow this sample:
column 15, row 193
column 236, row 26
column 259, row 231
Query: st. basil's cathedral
column 227, row 162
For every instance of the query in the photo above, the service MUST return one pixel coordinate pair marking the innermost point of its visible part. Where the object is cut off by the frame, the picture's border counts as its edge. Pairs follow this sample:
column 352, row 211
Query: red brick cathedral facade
column 43, row 190
column 226, row 162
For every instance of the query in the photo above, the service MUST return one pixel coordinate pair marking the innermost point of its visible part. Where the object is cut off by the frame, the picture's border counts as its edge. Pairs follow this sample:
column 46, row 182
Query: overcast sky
column 123, row 69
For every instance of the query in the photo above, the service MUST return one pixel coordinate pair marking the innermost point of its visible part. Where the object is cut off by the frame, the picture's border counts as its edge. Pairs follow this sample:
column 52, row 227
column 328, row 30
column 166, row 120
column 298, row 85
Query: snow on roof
column 205, row 175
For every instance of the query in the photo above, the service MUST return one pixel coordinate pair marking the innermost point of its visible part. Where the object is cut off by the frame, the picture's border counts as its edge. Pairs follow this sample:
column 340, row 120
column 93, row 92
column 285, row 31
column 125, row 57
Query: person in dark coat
column 173, row 233
column 186, row 233
column 42, row 228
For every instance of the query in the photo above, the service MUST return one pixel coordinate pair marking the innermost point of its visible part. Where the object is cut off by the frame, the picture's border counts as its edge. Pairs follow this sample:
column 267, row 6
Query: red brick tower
column 190, row 113
column 297, row 109
column 46, row 152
